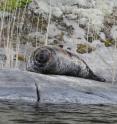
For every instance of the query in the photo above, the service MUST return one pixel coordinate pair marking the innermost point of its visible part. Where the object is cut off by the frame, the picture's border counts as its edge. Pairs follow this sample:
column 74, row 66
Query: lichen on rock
column 84, row 48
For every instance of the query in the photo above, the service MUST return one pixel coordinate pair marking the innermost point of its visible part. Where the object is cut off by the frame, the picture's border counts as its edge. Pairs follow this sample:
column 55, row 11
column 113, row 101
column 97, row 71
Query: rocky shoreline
column 81, row 26
column 70, row 24
column 86, row 27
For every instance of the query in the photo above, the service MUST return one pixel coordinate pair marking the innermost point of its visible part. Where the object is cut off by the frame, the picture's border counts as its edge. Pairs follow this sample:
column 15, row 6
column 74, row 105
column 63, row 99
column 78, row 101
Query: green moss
column 109, row 43
column 21, row 57
column 9, row 5
column 84, row 48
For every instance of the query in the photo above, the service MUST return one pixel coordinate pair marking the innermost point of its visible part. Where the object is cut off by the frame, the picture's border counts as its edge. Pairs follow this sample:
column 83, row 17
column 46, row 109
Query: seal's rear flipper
column 97, row 78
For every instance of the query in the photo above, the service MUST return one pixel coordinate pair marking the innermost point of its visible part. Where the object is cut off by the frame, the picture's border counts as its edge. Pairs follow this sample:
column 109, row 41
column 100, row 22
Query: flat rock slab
column 18, row 85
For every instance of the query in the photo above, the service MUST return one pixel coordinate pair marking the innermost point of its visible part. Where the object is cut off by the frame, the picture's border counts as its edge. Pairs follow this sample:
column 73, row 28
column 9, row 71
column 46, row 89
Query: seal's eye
column 43, row 56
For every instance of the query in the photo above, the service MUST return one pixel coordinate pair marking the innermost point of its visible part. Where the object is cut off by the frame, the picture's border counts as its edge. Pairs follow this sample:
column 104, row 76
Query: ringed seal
column 56, row 60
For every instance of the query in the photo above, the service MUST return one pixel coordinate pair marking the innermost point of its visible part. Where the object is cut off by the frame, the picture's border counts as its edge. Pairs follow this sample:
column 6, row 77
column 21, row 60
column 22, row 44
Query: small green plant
column 84, row 48
column 20, row 57
column 109, row 43
column 9, row 5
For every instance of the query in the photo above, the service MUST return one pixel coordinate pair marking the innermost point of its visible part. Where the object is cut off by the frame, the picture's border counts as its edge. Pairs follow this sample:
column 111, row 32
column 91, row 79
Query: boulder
column 22, row 85
column 103, row 62
column 15, row 85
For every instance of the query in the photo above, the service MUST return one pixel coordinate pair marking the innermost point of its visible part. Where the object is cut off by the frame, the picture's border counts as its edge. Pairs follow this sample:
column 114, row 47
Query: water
column 25, row 113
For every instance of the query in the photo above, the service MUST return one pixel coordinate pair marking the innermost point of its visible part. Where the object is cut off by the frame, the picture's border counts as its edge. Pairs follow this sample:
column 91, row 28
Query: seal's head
column 42, row 56
column 39, row 59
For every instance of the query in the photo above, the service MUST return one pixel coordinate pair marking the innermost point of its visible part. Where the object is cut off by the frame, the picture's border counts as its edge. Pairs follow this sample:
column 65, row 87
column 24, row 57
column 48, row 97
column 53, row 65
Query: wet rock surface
column 18, row 85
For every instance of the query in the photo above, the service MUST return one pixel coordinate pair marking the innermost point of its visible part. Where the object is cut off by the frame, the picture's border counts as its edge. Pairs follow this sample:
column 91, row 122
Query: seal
column 59, row 61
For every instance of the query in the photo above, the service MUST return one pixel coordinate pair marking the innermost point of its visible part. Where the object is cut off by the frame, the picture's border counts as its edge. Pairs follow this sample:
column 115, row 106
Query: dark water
column 25, row 113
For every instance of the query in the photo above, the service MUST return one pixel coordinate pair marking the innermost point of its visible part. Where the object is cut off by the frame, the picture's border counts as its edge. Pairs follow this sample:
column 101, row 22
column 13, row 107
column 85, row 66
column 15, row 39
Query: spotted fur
column 56, row 60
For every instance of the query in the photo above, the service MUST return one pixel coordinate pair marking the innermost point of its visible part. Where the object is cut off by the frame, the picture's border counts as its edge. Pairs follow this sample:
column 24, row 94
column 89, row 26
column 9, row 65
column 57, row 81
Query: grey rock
column 15, row 85
column 18, row 85
column 5, row 14
column 2, row 54
column 103, row 62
